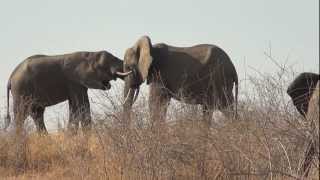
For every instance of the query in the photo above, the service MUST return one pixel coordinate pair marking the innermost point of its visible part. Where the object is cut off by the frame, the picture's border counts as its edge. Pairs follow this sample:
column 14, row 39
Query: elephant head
column 94, row 70
column 138, row 60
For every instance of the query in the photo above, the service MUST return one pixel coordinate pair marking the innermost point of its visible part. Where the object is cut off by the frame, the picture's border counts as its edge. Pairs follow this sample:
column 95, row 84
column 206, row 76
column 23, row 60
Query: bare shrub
column 267, row 141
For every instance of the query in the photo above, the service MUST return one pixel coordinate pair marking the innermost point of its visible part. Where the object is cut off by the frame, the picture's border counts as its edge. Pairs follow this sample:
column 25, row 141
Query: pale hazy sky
column 243, row 28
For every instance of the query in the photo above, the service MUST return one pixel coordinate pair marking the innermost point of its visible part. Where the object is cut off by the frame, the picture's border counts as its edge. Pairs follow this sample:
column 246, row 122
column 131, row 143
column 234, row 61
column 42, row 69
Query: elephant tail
column 8, row 118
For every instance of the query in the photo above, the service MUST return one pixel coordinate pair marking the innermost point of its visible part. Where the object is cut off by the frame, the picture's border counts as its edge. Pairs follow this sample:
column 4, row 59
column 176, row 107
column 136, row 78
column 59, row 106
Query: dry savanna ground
column 267, row 141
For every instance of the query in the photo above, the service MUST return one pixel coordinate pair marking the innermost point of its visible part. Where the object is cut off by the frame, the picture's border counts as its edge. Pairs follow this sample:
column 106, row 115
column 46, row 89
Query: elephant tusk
column 127, row 96
column 123, row 73
column 136, row 95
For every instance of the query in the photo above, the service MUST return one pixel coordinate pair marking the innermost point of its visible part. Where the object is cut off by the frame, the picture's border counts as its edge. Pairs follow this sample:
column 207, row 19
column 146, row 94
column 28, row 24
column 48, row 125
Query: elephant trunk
column 131, row 91
column 128, row 95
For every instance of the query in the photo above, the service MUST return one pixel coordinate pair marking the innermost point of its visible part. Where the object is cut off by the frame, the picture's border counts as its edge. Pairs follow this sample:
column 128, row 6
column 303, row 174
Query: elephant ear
column 143, row 48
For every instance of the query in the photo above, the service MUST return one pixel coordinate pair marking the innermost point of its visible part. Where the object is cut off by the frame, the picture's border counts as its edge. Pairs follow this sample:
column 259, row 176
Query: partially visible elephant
column 41, row 81
column 304, row 95
column 300, row 90
column 201, row 74
column 313, row 118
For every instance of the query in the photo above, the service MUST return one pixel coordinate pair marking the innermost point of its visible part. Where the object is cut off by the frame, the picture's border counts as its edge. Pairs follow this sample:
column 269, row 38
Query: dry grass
column 266, row 142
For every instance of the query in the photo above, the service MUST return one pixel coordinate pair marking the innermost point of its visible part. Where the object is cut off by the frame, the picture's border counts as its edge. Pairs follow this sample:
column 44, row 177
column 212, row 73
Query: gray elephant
column 313, row 118
column 301, row 89
column 41, row 81
column 201, row 74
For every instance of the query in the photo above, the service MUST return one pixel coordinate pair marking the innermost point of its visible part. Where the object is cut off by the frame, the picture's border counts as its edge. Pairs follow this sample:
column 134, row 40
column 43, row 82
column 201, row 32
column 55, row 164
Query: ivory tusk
column 125, row 100
column 123, row 73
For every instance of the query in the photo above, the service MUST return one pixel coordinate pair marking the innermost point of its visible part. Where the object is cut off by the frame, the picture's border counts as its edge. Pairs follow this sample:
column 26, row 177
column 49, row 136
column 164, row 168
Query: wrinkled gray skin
column 201, row 74
column 41, row 81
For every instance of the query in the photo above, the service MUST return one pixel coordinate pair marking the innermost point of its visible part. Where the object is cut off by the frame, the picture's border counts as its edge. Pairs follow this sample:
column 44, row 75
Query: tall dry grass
column 267, row 141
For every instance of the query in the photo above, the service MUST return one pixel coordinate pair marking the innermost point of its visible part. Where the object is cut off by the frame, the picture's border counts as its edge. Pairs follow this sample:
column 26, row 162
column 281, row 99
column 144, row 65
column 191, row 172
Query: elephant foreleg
column 79, row 109
column 86, row 114
column 158, row 103
column 73, row 124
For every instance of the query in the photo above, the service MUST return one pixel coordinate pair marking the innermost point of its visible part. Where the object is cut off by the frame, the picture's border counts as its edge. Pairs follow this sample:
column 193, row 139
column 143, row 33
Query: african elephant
column 313, row 118
column 201, row 74
column 300, row 90
column 304, row 94
column 41, row 81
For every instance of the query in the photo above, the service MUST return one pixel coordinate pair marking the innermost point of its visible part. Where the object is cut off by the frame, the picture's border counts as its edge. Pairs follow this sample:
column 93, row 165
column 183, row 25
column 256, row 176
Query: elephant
column 304, row 92
column 41, row 80
column 202, row 74
column 300, row 90
column 313, row 118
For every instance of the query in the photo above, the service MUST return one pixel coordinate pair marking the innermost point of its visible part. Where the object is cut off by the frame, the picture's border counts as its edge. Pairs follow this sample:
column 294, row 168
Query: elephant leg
column 159, row 101
column 37, row 116
column 79, row 109
column 86, row 121
column 73, row 124
column 20, row 111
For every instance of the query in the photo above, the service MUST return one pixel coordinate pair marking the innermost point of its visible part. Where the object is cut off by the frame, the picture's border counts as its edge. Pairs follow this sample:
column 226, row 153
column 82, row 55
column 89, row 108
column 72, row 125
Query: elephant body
column 201, row 74
column 191, row 74
column 41, row 81
column 45, row 88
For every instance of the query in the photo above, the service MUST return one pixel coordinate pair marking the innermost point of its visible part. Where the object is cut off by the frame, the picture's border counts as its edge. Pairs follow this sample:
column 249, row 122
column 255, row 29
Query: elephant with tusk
column 41, row 81
column 201, row 74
